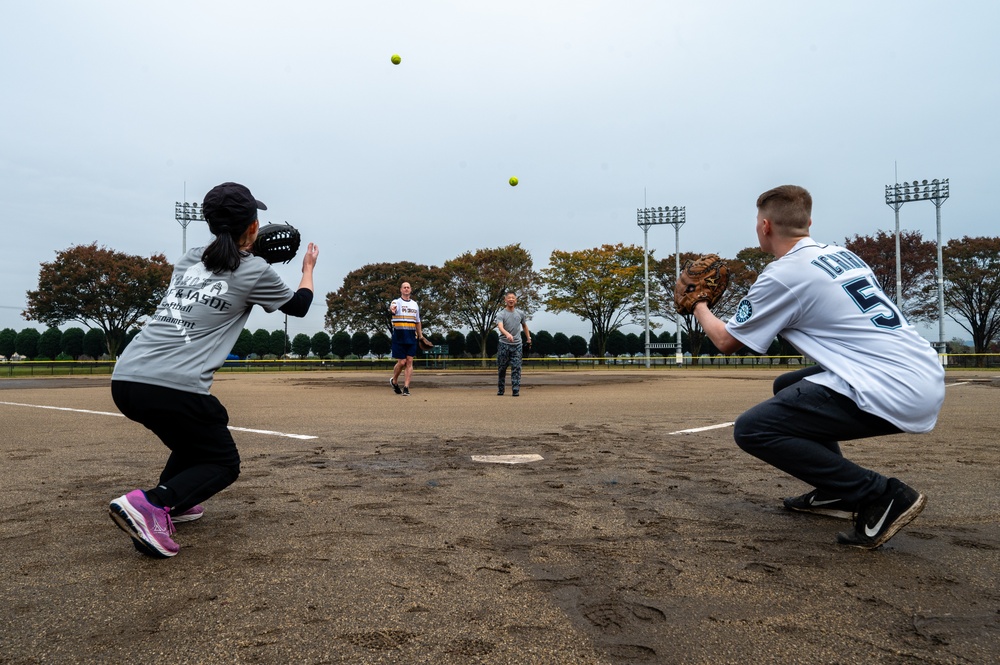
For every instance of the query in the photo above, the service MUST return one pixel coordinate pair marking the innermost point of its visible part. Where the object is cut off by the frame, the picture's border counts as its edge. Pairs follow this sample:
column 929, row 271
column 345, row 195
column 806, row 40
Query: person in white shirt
column 406, row 330
column 874, row 374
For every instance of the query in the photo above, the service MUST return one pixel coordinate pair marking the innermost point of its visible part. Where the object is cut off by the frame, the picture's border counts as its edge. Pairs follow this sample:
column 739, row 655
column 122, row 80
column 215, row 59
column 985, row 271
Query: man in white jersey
column 406, row 331
column 874, row 374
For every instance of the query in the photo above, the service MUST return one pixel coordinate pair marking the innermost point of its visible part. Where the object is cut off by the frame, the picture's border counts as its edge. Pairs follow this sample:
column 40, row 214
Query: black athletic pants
column 799, row 429
column 203, row 456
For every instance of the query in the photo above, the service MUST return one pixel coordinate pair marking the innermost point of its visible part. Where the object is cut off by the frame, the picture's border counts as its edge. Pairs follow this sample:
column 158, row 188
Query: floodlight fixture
column 647, row 217
column 936, row 191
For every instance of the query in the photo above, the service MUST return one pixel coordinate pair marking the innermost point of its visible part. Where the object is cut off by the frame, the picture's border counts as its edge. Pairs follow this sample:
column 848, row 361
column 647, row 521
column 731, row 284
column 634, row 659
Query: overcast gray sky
column 114, row 110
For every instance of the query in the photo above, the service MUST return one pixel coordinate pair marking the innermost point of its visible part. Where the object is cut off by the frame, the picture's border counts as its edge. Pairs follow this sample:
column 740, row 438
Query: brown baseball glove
column 425, row 344
column 705, row 278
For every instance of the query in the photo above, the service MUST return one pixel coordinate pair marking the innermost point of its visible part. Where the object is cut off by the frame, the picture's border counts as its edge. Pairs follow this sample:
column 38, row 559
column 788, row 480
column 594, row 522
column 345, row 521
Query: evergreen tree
column 473, row 342
column 617, row 343
column 280, row 344
column 50, row 343
column 635, row 344
column 560, row 344
column 26, row 343
column 492, row 342
column 340, row 344
column 94, row 344
column 541, row 343
column 8, row 339
column 456, row 343
column 320, row 345
column 244, row 344
column 72, row 342
column 361, row 343
column 381, row 344
column 301, row 345
column 261, row 342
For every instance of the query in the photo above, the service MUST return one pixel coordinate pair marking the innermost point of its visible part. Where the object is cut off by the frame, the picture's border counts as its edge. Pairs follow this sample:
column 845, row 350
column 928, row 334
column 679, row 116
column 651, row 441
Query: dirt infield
column 381, row 540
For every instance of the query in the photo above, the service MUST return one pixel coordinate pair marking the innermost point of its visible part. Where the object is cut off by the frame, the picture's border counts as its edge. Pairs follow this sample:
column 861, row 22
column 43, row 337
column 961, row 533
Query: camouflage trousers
column 509, row 354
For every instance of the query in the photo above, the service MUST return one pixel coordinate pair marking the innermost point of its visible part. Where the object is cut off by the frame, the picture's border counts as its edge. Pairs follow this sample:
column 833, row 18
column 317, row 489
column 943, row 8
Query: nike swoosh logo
column 814, row 502
column 870, row 531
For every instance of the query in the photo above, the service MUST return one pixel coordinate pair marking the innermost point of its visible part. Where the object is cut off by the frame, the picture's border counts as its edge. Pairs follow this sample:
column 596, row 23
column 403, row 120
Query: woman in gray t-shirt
column 162, row 379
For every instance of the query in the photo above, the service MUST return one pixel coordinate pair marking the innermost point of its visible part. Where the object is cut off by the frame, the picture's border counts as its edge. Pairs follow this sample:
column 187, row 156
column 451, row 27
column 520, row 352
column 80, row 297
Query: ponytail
column 224, row 253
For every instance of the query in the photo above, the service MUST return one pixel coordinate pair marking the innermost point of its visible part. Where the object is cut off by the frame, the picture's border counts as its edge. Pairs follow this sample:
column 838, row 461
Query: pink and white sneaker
column 191, row 514
column 149, row 526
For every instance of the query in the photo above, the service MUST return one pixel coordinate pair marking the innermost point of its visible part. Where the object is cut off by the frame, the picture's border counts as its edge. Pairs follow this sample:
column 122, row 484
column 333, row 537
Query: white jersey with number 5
column 826, row 302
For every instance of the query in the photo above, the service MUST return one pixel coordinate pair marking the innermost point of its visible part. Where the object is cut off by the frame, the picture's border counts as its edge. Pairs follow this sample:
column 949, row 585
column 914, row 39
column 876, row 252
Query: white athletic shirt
column 826, row 302
column 407, row 314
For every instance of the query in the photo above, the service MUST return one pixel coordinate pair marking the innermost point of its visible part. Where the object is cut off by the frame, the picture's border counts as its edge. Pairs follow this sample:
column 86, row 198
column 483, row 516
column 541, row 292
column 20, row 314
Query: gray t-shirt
column 512, row 322
column 198, row 322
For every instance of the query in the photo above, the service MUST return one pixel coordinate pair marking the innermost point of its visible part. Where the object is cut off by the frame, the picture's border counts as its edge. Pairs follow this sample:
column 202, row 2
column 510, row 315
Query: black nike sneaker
column 819, row 504
column 879, row 520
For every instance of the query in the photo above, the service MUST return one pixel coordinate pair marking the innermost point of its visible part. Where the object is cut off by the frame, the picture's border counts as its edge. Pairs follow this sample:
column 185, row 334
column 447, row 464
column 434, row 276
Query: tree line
column 605, row 286
column 79, row 344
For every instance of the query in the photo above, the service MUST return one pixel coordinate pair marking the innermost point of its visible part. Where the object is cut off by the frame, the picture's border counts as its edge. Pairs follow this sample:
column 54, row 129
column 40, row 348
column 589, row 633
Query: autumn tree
column 362, row 303
column 743, row 272
column 99, row 287
column 754, row 259
column 664, row 272
column 604, row 285
column 476, row 282
column 918, row 269
column 972, row 287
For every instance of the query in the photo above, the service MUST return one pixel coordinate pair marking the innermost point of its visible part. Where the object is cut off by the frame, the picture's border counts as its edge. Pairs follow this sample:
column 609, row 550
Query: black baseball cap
column 230, row 204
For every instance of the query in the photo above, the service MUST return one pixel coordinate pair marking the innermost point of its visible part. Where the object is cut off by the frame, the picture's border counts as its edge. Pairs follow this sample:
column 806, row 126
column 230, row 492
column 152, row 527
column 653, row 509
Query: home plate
column 507, row 459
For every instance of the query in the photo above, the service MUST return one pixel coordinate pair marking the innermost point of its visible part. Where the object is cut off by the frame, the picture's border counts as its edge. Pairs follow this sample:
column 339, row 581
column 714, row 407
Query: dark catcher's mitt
column 425, row 344
column 705, row 278
column 277, row 243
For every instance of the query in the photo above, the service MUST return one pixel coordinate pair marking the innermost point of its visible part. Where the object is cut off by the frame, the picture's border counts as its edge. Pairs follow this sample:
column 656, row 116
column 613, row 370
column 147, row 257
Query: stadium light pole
column 185, row 213
column 647, row 217
column 936, row 191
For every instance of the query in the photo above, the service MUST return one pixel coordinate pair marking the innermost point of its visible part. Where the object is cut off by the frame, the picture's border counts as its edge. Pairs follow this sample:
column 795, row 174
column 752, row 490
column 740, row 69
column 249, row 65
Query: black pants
column 799, row 430
column 203, row 456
